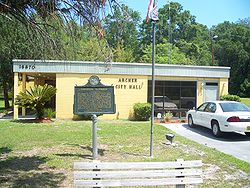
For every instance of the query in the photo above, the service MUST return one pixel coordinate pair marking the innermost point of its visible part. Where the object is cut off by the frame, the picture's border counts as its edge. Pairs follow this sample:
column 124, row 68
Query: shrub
column 142, row 111
column 168, row 116
column 50, row 113
column 36, row 98
column 230, row 98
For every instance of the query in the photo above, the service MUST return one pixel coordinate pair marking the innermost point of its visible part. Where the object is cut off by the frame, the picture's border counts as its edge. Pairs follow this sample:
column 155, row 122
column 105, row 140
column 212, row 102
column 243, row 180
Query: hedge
column 142, row 111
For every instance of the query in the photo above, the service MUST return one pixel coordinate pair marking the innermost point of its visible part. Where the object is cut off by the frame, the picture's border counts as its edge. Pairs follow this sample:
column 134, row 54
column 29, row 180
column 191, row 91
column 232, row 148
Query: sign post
column 94, row 99
column 94, row 136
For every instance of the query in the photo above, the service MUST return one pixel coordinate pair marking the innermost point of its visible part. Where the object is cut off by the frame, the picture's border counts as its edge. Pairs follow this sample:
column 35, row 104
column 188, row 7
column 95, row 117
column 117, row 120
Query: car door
column 208, row 115
column 198, row 115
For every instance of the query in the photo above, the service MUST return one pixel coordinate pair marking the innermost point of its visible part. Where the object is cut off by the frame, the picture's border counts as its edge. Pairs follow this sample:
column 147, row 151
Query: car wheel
column 190, row 121
column 247, row 133
column 216, row 129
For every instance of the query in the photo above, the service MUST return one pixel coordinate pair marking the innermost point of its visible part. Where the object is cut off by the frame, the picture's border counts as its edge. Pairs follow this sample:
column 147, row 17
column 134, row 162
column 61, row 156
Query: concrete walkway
column 233, row 144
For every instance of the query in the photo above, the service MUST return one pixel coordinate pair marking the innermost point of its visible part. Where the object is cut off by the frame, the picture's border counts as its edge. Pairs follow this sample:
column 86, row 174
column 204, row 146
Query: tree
column 245, row 88
column 36, row 16
column 174, row 24
column 165, row 54
column 123, row 55
column 36, row 98
column 121, row 31
column 88, row 12
column 232, row 49
column 13, row 42
column 178, row 27
column 17, row 43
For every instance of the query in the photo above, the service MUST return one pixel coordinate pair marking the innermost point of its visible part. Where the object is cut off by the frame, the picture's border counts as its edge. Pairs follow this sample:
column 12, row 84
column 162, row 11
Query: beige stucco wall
column 223, row 85
column 128, row 91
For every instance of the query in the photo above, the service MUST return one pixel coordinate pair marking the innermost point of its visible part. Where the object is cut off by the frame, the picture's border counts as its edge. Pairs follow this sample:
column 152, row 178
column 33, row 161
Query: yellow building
column 177, row 87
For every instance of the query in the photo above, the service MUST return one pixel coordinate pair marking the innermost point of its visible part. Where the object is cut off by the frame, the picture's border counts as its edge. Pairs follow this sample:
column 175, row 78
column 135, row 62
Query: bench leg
column 180, row 186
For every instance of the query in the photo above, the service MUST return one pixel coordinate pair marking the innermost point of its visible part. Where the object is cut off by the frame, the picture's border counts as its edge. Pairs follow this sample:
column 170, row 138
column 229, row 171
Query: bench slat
column 137, row 165
column 136, row 182
column 136, row 174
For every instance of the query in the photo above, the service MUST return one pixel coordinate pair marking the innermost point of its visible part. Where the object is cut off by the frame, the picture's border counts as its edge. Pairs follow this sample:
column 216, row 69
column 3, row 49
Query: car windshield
column 234, row 107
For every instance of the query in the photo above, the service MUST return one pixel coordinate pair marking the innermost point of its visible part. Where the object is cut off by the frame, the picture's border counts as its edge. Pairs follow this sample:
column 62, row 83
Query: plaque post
column 94, row 136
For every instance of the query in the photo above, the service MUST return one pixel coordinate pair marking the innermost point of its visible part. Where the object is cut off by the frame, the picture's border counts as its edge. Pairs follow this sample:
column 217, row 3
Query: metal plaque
column 94, row 98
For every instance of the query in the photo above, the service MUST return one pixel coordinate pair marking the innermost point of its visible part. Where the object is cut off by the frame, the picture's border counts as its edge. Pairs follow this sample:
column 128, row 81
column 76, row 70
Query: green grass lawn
column 246, row 101
column 42, row 155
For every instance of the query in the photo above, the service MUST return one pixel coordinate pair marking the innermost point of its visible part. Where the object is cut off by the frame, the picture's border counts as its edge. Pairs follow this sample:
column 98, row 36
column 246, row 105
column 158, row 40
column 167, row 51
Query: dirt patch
column 210, row 171
column 187, row 149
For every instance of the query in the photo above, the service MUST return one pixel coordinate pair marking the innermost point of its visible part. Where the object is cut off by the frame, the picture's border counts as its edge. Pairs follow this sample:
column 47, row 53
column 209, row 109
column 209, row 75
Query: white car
column 221, row 116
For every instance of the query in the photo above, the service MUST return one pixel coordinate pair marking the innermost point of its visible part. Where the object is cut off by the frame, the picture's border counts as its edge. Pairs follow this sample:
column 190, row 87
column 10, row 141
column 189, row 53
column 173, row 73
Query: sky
column 207, row 12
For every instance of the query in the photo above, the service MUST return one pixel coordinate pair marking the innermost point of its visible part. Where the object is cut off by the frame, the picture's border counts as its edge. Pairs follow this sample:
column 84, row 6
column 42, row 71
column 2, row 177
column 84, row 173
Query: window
column 233, row 107
column 211, row 107
column 202, row 107
column 179, row 95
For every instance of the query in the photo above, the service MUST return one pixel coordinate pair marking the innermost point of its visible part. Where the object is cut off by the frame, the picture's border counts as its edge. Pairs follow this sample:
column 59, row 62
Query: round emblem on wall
column 94, row 80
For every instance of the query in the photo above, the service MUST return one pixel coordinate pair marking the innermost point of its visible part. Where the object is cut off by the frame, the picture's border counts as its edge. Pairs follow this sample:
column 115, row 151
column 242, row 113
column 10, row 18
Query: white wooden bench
column 116, row 174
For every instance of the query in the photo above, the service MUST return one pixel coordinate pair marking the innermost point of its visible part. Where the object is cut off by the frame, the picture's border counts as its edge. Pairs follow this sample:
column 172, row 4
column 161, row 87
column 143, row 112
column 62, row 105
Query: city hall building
column 177, row 87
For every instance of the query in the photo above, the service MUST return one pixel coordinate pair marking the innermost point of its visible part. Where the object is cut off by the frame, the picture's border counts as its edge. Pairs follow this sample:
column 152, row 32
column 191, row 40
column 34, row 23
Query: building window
column 175, row 96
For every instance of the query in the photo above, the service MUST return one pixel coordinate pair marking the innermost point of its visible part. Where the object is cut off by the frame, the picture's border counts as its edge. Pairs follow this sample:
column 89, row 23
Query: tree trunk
column 5, row 94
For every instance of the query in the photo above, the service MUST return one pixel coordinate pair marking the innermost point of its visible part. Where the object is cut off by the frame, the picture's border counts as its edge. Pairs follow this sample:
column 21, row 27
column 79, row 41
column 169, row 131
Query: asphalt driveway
column 237, row 145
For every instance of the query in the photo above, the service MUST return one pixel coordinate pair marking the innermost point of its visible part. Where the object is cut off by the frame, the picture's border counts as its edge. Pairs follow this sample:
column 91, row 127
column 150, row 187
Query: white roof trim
column 60, row 66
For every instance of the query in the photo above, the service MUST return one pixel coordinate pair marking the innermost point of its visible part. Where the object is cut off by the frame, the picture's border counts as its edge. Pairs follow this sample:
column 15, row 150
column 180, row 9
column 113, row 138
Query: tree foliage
column 86, row 12
column 121, row 31
column 165, row 53
column 232, row 49
column 179, row 28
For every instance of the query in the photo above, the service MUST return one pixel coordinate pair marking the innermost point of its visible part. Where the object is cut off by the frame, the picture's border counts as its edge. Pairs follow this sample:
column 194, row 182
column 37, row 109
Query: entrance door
column 211, row 91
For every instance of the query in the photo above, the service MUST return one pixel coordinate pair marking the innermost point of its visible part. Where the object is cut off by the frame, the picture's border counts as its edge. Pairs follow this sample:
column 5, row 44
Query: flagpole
column 153, row 89
column 153, row 15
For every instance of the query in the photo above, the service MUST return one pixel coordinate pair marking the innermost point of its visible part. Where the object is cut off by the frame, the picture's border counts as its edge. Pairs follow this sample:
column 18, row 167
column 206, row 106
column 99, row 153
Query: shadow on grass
column 22, row 163
column 46, row 179
column 25, row 172
column 101, row 152
column 74, row 155
column 25, row 121
column 4, row 150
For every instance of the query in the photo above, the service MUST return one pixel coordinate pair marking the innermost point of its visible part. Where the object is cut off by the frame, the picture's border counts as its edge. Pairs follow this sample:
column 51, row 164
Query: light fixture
column 170, row 137
column 20, row 77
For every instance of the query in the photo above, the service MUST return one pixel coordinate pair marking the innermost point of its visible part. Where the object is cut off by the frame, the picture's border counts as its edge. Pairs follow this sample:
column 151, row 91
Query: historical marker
column 94, row 98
